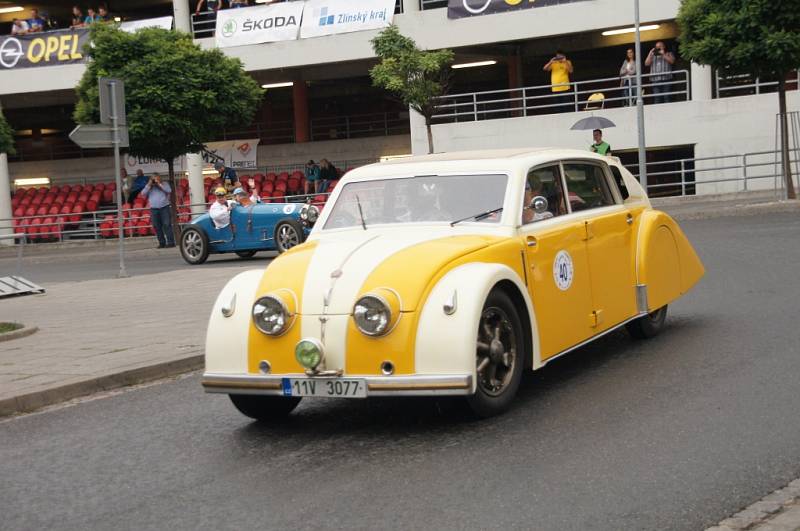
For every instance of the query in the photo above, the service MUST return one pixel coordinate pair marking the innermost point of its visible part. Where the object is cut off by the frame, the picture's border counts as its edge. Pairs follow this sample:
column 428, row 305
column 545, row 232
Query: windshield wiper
column 361, row 213
column 477, row 217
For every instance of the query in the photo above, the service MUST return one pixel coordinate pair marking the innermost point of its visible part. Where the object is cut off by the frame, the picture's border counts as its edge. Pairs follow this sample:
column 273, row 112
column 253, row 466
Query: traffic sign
column 111, row 88
column 93, row 136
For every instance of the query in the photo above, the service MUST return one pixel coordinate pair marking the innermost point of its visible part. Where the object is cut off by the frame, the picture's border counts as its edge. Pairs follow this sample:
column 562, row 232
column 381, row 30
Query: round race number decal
column 288, row 209
column 562, row 270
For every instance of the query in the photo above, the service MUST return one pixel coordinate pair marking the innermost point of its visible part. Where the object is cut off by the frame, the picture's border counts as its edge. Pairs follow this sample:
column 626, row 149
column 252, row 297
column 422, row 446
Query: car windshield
column 426, row 198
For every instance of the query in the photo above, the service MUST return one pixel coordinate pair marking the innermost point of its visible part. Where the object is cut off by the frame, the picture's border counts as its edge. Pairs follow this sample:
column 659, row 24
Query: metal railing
column 54, row 151
column 758, row 170
column 745, row 85
column 582, row 95
column 432, row 4
column 359, row 125
column 269, row 132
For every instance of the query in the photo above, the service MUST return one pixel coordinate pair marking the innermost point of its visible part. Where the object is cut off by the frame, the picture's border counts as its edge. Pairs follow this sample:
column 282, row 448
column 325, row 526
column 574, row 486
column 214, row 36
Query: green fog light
column 308, row 353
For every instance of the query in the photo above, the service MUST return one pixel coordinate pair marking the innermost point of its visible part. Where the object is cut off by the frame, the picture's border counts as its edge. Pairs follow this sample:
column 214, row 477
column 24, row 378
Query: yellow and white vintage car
column 449, row 275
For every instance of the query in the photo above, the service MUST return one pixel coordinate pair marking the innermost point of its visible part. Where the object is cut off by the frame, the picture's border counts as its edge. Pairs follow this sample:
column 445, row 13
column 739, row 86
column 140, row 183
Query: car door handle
column 629, row 219
column 531, row 241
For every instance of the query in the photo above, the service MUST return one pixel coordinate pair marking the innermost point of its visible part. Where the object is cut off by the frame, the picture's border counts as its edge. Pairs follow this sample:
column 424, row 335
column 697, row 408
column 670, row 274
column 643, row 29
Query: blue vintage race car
column 257, row 227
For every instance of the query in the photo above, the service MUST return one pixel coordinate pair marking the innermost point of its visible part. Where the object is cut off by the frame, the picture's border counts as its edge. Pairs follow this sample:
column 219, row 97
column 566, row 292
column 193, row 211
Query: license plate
column 325, row 387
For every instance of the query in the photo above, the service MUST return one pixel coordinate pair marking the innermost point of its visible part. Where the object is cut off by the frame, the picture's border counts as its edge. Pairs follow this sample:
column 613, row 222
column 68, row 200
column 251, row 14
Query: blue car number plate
column 325, row 387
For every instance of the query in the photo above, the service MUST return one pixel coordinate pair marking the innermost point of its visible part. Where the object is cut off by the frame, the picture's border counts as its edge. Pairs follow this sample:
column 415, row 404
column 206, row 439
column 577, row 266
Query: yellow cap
column 220, row 191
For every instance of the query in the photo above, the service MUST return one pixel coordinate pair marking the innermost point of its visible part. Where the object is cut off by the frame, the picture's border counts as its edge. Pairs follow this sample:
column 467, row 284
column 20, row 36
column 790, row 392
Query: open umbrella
column 591, row 123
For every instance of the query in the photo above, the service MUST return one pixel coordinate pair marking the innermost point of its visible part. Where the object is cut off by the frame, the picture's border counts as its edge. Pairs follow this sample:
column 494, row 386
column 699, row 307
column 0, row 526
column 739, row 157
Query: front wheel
column 246, row 254
column 499, row 356
column 649, row 325
column 265, row 408
column 194, row 245
column 288, row 233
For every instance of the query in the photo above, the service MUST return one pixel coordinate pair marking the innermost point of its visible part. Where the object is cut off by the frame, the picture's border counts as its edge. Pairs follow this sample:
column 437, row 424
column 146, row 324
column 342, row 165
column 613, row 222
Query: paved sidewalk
column 779, row 511
column 101, row 334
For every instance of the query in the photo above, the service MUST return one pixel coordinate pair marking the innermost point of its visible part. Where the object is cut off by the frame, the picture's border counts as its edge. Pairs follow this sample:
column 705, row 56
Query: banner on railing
column 160, row 22
column 328, row 17
column 254, row 25
column 148, row 166
column 237, row 154
column 43, row 49
column 472, row 8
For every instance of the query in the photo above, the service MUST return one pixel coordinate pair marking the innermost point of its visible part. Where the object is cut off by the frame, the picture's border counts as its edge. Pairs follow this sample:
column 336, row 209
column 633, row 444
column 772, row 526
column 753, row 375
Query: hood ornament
column 228, row 309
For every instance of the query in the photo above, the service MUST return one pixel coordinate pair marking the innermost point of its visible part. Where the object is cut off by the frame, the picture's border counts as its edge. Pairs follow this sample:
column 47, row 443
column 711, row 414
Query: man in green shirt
column 600, row 147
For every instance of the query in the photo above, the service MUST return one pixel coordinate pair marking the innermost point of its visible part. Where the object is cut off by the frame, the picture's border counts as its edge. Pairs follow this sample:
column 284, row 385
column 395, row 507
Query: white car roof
column 469, row 161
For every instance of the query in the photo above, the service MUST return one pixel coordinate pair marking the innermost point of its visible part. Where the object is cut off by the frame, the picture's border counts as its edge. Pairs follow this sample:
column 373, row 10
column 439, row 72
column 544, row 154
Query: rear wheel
column 499, row 356
column 194, row 245
column 288, row 233
column 649, row 325
column 265, row 408
column 246, row 254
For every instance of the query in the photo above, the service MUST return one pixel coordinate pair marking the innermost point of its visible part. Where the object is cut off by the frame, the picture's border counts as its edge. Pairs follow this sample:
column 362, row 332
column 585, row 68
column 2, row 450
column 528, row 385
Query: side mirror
column 539, row 204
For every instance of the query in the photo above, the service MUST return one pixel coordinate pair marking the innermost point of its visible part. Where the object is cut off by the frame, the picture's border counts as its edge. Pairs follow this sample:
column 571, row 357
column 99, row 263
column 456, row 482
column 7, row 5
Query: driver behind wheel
column 220, row 210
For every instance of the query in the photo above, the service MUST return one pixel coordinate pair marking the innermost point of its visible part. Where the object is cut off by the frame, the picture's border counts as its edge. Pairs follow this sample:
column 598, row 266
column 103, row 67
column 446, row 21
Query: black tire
column 246, row 254
column 649, row 325
column 194, row 245
column 500, row 351
column 288, row 233
column 265, row 408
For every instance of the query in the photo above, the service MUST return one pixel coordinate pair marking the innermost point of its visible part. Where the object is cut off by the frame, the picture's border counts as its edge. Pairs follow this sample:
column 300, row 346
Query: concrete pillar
column 300, row 104
column 194, row 169
column 702, row 82
column 410, row 6
column 514, row 66
column 183, row 15
column 5, row 198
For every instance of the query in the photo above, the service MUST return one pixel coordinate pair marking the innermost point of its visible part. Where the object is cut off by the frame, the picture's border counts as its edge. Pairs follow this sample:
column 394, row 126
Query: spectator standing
column 560, row 69
column 600, row 146
column 627, row 74
column 227, row 176
column 91, row 17
column 77, row 18
column 125, row 179
column 312, row 176
column 36, row 23
column 19, row 27
column 327, row 173
column 220, row 210
column 160, row 214
column 660, row 61
column 138, row 185
column 211, row 8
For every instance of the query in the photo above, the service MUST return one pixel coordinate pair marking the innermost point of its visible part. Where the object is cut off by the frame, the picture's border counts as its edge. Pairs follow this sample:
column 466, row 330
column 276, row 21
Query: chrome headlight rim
column 287, row 315
column 388, row 327
column 312, row 215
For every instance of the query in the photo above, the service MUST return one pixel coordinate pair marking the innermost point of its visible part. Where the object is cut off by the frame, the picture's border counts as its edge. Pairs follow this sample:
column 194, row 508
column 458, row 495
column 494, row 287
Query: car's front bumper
column 414, row 385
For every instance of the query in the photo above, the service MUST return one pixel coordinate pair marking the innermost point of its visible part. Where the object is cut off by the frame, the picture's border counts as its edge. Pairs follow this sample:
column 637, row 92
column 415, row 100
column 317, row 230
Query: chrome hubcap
column 288, row 237
column 497, row 351
column 192, row 244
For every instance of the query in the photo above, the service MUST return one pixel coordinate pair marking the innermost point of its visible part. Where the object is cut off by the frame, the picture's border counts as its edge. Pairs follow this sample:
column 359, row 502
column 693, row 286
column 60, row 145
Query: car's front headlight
column 309, row 214
column 271, row 315
column 376, row 313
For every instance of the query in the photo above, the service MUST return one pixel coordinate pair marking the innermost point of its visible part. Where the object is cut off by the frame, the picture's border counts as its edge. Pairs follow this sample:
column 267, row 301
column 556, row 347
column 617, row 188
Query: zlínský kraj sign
column 43, row 49
column 328, row 17
column 472, row 8
column 254, row 25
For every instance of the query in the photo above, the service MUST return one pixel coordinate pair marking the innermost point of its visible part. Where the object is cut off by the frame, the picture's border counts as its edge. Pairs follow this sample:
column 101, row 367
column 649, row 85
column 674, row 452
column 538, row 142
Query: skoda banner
column 254, row 25
column 471, row 8
column 327, row 17
column 43, row 49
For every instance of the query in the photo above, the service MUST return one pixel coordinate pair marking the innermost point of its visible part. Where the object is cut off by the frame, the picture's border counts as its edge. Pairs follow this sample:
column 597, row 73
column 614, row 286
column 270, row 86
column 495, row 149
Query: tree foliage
column 6, row 136
column 178, row 96
column 417, row 77
column 758, row 37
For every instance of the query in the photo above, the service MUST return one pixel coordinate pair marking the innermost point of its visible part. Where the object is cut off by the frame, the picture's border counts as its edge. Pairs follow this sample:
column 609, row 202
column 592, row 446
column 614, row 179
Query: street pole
column 116, row 141
column 640, row 101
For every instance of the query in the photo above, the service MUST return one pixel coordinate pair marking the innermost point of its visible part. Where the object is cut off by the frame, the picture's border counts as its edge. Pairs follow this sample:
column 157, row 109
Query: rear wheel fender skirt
column 665, row 260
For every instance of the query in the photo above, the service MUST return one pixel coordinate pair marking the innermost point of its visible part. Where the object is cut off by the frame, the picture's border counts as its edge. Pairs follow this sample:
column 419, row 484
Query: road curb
column 776, row 511
column 737, row 210
column 33, row 401
column 25, row 331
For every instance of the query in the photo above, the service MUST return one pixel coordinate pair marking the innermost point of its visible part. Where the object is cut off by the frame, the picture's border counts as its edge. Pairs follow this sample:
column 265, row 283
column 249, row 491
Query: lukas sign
column 253, row 25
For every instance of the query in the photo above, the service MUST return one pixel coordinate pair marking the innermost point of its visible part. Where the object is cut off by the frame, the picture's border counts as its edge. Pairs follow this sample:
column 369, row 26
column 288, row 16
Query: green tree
column 6, row 136
column 417, row 77
column 178, row 96
column 756, row 37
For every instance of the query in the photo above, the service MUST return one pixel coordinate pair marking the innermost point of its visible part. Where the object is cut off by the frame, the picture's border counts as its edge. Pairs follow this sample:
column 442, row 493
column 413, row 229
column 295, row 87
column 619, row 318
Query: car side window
column 623, row 190
column 543, row 182
column 587, row 186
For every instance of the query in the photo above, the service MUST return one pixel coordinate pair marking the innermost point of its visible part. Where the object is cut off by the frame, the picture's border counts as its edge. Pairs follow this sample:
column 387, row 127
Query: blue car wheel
column 194, row 245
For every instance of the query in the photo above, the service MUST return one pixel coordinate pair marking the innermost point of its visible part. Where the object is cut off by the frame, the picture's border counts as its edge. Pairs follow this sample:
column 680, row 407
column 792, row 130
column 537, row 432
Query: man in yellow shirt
column 560, row 68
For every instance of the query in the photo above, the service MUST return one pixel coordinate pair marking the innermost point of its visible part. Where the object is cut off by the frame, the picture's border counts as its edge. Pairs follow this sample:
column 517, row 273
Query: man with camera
column 660, row 61
column 160, row 214
column 560, row 69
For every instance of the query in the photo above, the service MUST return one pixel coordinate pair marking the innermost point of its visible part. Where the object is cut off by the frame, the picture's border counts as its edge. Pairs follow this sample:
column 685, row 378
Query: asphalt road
column 673, row 433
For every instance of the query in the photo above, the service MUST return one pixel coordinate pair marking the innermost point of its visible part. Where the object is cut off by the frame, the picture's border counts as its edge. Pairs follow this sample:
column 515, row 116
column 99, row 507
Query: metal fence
column 758, row 170
column 281, row 132
column 359, row 125
column 746, row 85
column 582, row 96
